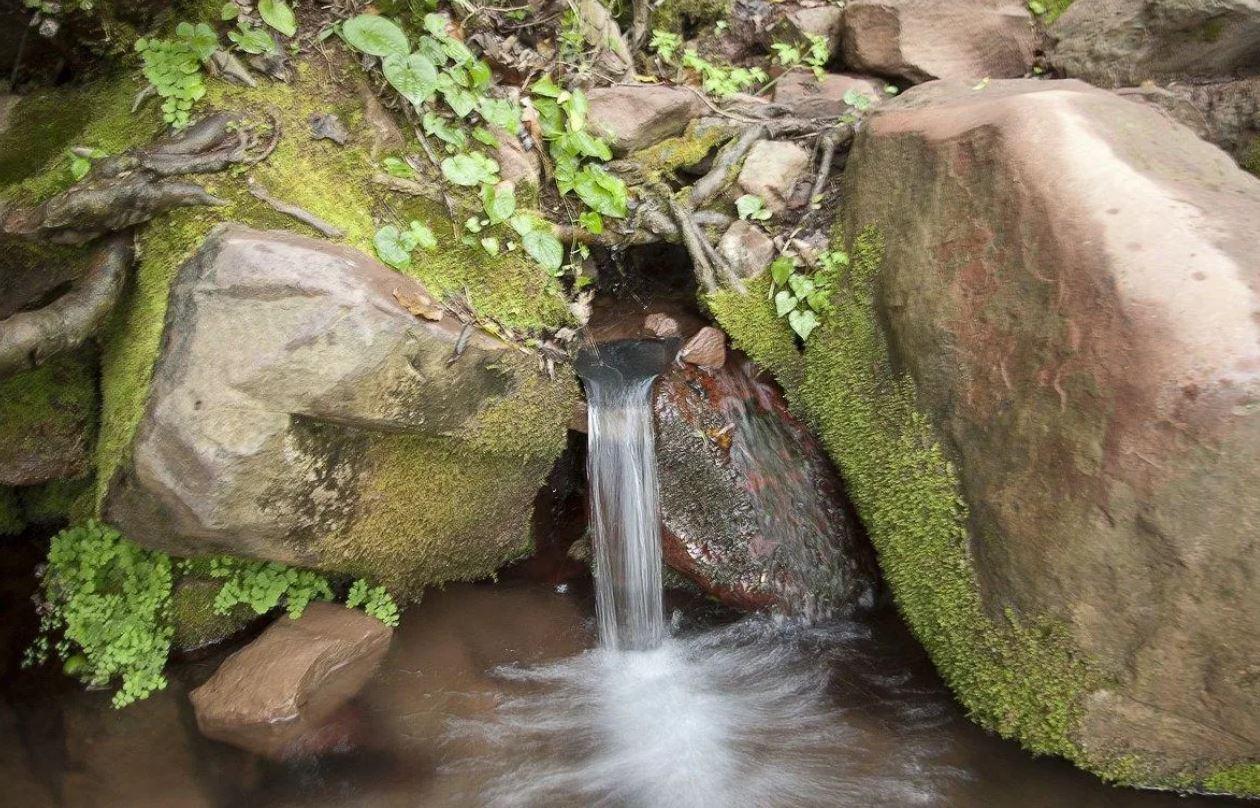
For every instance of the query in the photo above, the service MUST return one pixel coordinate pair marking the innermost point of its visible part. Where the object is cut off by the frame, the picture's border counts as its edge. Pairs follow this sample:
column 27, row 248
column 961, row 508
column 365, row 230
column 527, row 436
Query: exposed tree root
column 294, row 211
column 29, row 339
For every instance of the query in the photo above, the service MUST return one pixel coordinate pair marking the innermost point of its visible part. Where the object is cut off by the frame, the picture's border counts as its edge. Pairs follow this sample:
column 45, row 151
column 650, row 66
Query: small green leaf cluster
column 750, row 206
column 374, row 600
column 81, row 162
column 562, row 117
column 105, row 605
column 255, row 39
column 395, row 246
column 173, row 67
column 804, row 298
column 264, row 585
column 107, row 600
column 665, row 44
column 722, row 80
column 814, row 56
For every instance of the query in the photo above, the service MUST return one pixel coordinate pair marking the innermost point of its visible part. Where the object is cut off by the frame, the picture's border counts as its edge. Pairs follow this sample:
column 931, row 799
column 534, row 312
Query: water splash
column 740, row 716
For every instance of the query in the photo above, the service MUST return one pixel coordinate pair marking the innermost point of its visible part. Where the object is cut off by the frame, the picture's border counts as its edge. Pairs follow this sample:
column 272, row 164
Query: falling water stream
column 625, row 508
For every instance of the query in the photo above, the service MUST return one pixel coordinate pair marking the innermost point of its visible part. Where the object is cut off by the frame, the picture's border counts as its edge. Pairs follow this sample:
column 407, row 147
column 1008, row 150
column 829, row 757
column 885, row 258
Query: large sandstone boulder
column 1117, row 43
column 300, row 413
column 920, row 40
column 1071, row 282
column 1226, row 113
column 751, row 507
column 280, row 696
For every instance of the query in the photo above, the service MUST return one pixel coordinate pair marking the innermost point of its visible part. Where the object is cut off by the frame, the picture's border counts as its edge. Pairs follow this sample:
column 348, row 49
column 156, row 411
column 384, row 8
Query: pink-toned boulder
column 1071, row 283
column 634, row 116
column 283, row 695
column 771, row 171
column 824, row 97
column 659, row 324
column 921, row 40
column 747, row 248
column 706, row 349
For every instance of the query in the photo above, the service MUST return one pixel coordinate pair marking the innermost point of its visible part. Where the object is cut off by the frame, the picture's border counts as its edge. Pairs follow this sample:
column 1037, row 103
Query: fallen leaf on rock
column 419, row 304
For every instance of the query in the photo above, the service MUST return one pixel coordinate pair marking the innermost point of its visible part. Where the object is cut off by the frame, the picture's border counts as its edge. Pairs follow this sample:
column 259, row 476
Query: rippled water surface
column 498, row 696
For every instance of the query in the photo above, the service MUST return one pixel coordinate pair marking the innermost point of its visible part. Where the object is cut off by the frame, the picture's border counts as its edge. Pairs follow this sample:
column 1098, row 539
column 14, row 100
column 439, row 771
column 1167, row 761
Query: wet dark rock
column 752, row 509
column 285, row 694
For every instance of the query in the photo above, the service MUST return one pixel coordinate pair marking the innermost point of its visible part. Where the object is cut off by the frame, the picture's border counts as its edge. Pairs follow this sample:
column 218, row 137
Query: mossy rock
column 298, row 413
column 196, row 623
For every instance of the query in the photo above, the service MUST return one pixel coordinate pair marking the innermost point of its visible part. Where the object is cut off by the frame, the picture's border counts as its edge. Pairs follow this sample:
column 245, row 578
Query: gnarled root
column 29, row 339
column 90, row 211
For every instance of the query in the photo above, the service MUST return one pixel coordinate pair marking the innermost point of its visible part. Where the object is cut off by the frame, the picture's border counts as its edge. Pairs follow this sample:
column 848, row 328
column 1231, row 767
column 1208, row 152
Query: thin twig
column 827, row 145
column 289, row 209
column 699, row 259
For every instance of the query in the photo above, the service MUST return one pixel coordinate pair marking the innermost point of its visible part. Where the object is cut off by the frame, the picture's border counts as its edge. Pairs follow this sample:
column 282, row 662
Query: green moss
column 1251, row 158
column 59, row 501
column 34, row 163
column 680, row 15
column 196, row 622
column 456, row 508
column 11, row 521
column 688, row 149
column 1212, row 30
column 1242, row 779
column 1016, row 675
column 757, row 330
column 49, row 411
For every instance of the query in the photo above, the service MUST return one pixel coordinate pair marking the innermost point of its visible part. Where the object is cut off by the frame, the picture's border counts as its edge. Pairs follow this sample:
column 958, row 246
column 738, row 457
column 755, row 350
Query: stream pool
column 498, row 695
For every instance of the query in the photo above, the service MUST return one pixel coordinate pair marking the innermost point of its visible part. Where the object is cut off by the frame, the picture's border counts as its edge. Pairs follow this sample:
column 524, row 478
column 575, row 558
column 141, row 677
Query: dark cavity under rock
column 752, row 510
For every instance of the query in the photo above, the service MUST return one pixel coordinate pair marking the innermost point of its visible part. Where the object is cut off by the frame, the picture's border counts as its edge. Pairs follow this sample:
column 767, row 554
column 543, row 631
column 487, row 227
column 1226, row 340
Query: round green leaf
column 375, row 36
column 278, row 15
column 413, row 76
column 544, row 248
column 499, row 201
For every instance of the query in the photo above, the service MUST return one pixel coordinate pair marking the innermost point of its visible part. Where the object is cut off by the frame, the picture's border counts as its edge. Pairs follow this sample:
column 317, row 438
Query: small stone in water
column 707, row 349
column 661, row 325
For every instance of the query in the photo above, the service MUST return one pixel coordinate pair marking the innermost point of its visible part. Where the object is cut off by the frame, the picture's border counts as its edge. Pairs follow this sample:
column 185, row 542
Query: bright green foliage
column 666, row 44
column 173, row 67
column 278, row 15
column 264, row 585
column 107, row 599
column 804, row 298
column 1048, row 10
column 722, row 80
column 394, row 246
column 750, row 206
column 375, row 36
column 757, row 330
column 562, row 117
column 375, row 600
column 252, row 39
column 814, row 56
column 1242, row 779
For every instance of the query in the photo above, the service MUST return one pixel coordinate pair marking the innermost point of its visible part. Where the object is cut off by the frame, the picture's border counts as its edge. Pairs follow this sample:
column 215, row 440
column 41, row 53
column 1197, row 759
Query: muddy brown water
column 432, row 728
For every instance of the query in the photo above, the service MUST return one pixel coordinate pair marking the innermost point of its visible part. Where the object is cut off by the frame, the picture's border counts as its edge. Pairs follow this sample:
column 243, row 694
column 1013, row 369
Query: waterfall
column 625, row 509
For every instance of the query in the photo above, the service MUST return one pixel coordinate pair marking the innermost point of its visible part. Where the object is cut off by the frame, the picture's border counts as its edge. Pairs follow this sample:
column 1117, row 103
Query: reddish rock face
column 921, row 40
column 1072, row 280
column 752, row 509
column 707, row 349
column 285, row 694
